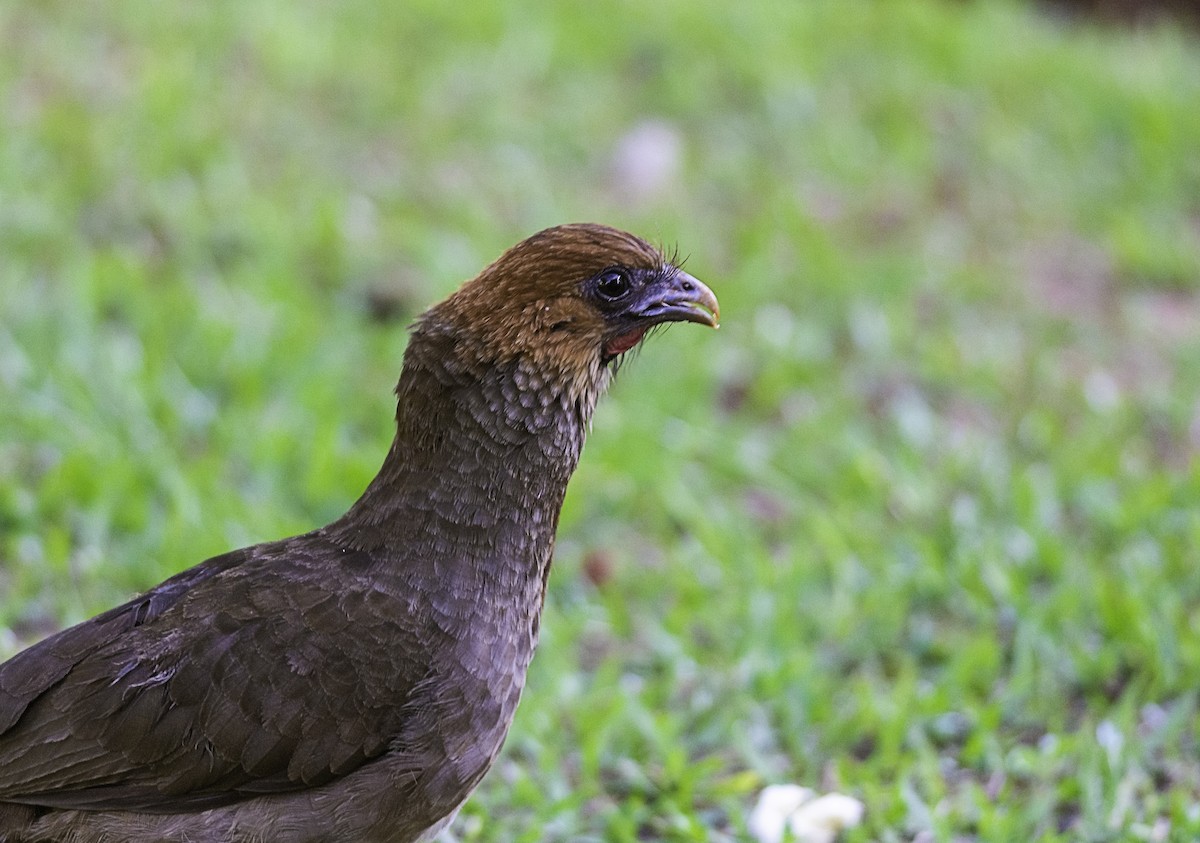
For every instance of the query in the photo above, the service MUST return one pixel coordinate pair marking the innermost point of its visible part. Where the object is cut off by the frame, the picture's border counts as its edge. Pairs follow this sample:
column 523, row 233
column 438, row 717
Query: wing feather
column 164, row 705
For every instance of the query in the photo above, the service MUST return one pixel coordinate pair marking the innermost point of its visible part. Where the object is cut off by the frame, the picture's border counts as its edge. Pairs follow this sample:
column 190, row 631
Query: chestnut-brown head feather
column 547, row 302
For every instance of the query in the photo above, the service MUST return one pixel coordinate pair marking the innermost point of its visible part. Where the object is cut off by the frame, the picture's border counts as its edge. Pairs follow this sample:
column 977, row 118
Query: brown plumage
column 356, row 682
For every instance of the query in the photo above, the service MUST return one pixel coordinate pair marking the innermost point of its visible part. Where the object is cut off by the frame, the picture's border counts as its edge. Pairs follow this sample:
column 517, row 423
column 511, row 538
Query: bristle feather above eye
column 671, row 256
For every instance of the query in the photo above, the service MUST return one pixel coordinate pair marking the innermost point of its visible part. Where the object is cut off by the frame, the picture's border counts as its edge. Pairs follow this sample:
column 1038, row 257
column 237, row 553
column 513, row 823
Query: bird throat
column 624, row 342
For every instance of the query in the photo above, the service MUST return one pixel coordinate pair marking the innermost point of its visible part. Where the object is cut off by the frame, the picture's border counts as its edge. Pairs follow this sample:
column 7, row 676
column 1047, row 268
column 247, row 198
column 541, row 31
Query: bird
column 356, row 682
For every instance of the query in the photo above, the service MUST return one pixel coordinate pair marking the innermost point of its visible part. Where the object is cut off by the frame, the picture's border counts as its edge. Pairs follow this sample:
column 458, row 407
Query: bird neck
column 481, row 458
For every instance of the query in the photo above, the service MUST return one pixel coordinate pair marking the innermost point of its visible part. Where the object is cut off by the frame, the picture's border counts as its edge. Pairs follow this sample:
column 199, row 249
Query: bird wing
column 265, row 670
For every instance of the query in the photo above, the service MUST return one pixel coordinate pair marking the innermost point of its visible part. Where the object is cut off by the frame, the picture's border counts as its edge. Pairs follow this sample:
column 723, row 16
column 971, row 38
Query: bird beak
column 678, row 297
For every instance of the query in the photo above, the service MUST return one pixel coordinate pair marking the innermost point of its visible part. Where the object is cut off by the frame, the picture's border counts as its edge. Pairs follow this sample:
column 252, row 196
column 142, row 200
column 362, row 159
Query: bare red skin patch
column 624, row 342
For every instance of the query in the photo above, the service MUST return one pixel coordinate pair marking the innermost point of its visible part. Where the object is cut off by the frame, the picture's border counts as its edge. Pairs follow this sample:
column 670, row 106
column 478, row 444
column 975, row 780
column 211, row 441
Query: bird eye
column 613, row 284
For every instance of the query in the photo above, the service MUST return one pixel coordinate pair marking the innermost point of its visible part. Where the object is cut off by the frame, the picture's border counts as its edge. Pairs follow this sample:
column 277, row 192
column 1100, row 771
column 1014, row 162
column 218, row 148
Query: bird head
column 569, row 300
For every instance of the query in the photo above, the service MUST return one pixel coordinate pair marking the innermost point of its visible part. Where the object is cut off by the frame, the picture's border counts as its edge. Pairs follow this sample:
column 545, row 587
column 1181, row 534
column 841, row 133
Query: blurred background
column 920, row 523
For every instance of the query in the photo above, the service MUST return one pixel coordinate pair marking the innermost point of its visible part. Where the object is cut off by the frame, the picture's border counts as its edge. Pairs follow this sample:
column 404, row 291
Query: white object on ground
column 790, row 807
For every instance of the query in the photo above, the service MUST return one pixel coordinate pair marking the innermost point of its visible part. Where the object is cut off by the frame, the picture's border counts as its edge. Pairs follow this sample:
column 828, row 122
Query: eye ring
column 613, row 284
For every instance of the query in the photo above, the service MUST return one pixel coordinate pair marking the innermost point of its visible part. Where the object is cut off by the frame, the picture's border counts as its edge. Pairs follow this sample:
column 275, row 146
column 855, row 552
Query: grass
column 920, row 523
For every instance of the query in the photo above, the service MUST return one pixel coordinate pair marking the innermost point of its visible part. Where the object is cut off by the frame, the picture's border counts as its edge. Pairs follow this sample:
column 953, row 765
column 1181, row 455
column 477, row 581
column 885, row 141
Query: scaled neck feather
column 478, row 444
